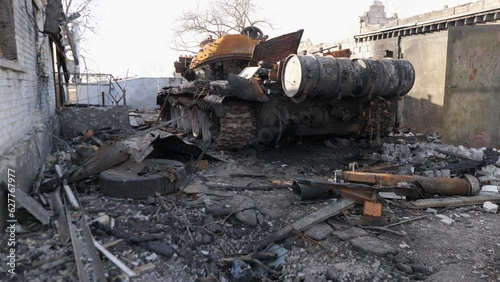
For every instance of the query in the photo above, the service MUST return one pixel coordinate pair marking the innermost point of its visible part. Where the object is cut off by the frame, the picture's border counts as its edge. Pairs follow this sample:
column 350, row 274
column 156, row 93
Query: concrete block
column 446, row 173
column 490, row 189
column 430, row 210
column 445, row 219
column 490, row 207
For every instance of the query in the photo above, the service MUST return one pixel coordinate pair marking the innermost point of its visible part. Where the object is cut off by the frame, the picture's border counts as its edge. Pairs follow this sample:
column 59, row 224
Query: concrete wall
column 140, row 92
column 472, row 102
column 375, row 48
column 422, row 108
column 74, row 121
column 27, row 99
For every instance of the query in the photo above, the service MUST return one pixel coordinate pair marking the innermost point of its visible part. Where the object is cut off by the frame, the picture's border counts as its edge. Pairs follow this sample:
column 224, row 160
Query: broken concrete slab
column 445, row 219
column 76, row 120
column 489, row 189
column 319, row 232
column 373, row 245
column 247, row 217
column 490, row 207
column 350, row 233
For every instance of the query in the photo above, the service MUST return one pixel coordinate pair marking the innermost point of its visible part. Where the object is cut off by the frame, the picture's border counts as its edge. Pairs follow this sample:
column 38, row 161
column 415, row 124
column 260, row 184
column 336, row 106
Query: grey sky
column 135, row 35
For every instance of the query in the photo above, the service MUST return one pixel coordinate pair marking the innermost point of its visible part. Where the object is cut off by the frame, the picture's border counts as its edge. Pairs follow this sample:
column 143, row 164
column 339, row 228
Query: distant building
column 375, row 16
column 457, row 61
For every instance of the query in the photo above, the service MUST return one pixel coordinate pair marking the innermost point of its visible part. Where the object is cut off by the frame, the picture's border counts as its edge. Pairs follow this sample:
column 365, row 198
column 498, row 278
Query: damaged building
column 94, row 190
column 28, row 101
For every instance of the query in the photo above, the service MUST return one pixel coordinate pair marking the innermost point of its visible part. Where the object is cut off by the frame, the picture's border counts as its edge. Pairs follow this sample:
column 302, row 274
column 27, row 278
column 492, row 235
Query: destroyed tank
column 244, row 89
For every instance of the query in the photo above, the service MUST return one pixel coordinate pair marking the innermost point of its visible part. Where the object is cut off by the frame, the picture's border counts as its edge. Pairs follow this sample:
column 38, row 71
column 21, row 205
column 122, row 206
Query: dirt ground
column 201, row 231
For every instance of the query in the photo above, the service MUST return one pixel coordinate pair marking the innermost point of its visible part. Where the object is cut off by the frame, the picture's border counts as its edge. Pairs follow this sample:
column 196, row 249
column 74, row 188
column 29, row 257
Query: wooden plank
column 60, row 214
column 453, row 201
column 308, row 221
column 32, row 206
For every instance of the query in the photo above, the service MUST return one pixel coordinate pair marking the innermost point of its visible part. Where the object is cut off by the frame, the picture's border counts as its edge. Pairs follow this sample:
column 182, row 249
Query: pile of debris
column 123, row 207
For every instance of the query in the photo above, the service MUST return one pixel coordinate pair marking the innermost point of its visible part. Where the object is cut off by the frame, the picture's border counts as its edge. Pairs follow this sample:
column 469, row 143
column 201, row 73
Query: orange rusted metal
column 359, row 196
column 372, row 209
column 467, row 186
column 231, row 46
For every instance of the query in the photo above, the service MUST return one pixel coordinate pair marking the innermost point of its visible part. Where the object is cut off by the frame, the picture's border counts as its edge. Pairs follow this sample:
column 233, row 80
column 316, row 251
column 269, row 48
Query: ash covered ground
column 209, row 231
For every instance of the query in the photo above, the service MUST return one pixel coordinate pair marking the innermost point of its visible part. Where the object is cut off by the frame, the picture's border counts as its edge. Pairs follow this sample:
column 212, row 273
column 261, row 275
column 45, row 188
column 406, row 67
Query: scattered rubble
column 307, row 212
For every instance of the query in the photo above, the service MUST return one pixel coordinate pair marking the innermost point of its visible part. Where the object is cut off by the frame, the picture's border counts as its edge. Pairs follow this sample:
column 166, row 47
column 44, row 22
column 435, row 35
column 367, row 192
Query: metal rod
column 114, row 259
column 70, row 196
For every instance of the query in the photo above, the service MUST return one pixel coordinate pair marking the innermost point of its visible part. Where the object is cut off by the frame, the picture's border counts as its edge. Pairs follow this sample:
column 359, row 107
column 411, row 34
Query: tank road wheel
column 178, row 122
column 204, row 121
column 195, row 122
column 237, row 127
column 186, row 123
column 173, row 115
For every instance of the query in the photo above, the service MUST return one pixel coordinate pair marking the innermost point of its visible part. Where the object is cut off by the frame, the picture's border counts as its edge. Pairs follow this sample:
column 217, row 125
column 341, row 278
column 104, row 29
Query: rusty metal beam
column 467, row 186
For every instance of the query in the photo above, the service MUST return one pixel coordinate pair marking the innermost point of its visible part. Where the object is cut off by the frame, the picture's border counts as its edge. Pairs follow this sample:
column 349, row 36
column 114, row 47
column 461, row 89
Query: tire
column 124, row 182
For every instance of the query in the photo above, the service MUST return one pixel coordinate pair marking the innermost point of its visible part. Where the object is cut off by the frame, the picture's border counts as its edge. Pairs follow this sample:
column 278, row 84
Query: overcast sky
column 135, row 35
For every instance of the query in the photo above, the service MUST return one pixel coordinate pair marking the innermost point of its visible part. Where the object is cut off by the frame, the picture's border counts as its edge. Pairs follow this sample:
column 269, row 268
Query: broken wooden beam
column 108, row 156
column 308, row 221
column 30, row 204
column 61, row 220
column 453, row 201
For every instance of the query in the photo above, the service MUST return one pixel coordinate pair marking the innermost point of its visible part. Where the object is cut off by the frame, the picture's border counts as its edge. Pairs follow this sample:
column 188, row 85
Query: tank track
column 237, row 127
column 236, row 130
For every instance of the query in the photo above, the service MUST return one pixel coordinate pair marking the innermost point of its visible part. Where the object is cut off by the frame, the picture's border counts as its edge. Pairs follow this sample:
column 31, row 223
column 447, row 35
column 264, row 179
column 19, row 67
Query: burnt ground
column 203, row 229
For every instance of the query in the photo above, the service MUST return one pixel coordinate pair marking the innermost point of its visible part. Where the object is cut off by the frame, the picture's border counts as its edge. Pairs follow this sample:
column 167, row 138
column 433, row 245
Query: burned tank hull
column 294, row 94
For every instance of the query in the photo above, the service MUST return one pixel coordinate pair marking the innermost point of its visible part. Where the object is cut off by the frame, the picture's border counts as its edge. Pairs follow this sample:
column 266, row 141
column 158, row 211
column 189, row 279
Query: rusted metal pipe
column 308, row 189
column 466, row 186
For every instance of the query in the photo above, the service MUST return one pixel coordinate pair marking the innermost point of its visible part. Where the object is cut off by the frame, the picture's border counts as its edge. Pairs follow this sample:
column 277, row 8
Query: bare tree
column 220, row 17
column 81, row 12
column 79, row 18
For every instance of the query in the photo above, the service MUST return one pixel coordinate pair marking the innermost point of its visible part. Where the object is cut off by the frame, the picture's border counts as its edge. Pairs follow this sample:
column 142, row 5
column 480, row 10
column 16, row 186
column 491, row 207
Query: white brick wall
column 27, row 98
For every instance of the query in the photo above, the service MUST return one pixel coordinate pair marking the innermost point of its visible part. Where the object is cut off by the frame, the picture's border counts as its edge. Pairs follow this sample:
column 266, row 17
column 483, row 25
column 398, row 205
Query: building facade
column 28, row 118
